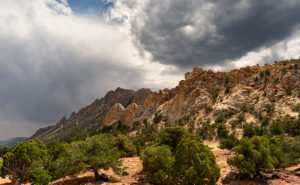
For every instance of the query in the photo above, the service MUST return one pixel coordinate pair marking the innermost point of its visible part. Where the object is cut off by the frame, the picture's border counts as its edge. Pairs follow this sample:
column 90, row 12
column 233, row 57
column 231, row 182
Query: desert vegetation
column 253, row 116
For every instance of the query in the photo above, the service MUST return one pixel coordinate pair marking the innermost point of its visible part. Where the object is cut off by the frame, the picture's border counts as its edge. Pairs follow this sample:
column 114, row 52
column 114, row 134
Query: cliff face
column 89, row 118
column 203, row 94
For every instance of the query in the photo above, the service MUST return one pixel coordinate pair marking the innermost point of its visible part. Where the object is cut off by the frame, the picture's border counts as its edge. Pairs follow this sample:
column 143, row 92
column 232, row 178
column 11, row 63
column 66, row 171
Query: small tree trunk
column 97, row 176
column 257, row 169
column 14, row 181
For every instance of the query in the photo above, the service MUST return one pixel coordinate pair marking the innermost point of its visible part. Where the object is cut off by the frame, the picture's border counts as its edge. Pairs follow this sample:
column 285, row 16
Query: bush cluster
column 34, row 162
column 207, row 130
column 180, row 158
column 264, row 154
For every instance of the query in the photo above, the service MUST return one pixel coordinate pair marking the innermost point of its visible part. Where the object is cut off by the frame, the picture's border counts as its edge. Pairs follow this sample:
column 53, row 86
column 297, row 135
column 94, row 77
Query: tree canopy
column 22, row 159
column 253, row 155
column 180, row 157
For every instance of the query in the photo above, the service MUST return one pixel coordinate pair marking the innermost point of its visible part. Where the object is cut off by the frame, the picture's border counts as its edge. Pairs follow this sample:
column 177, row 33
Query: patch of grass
column 288, row 91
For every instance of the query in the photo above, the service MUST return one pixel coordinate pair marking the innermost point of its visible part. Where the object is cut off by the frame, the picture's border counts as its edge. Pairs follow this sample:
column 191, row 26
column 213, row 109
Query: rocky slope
column 202, row 95
column 207, row 94
column 89, row 119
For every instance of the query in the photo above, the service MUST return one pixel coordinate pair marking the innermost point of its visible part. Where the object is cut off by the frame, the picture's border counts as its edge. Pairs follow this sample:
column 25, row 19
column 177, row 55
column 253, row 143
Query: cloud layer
column 54, row 61
column 189, row 33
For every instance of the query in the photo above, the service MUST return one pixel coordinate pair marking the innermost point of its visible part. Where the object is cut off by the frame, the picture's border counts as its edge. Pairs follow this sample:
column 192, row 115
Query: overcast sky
column 57, row 56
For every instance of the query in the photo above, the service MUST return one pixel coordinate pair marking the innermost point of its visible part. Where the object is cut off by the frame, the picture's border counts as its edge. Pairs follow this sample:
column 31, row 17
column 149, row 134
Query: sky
column 57, row 56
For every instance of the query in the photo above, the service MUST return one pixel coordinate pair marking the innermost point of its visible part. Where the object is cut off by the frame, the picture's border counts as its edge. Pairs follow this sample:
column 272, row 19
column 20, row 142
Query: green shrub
column 220, row 119
column 194, row 163
column 296, row 108
column 150, row 131
column 171, row 136
column 265, row 120
column 39, row 177
column 190, row 163
column 24, row 157
column 136, row 125
column 288, row 91
column 3, row 151
column 125, row 146
column 157, row 118
column 215, row 94
column 270, row 107
column 253, row 156
column 184, row 120
column 207, row 131
column 227, row 90
column 191, row 126
column 268, row 72
column 250, row 130
column 97, row 152
column 222, row 131
column 157, row 162
column 229, row 142
column 139, row 142
column 276, row 127
column 262, row 74
column 208, row 108
column 1, row 162
column 229, row 114
column 292, row 127
column 247, row 108
column 227, row 80
column 237, row 122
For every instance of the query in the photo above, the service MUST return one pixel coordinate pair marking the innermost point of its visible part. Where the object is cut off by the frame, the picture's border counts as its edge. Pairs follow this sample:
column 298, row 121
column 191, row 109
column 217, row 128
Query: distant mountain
column 89, row 119
column 11, row 142
column 260, row 93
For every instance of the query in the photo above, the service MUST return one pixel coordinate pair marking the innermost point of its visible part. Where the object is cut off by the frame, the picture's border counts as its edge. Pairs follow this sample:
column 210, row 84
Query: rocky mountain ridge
column 275, row 85
column 89, row 119
column 201, row 96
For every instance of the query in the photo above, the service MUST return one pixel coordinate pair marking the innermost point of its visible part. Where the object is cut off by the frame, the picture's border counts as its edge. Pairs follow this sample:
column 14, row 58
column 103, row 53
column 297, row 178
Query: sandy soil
column 134, row 169
column 221, row 158
column 4, row 181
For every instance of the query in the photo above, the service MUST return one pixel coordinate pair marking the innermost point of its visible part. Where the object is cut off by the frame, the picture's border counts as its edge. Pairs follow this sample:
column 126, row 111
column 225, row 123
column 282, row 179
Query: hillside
column 89, row 119
column 202, row 95
column 11, row 142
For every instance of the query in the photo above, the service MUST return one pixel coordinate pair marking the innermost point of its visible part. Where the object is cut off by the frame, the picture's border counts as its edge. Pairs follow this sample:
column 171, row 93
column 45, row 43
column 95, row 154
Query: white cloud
column 54, row 61
column 281, row 50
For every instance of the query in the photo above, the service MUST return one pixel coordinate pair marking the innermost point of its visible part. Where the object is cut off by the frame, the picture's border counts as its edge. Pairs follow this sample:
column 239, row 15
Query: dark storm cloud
column 40, row 85
column 54, row 62
column 190, row 33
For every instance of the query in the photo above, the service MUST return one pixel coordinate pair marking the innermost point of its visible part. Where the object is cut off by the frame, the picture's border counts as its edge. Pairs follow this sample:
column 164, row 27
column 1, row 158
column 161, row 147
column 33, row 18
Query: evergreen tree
column 23, row 158
column 194, row 163
column 39, row 177
column 97, row 152
column 157, row 162
column 253, row 156
column 171, row 136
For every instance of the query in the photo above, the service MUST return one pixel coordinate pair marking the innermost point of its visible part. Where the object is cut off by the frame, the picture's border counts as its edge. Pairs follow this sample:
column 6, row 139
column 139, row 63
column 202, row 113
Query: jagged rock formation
column 89, row 118
column 203, row 94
